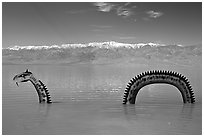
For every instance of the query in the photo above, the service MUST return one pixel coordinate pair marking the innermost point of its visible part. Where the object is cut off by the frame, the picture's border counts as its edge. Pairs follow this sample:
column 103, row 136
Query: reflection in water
column 187, row 111
column 163, row 119
column 37, row 119
column 133, row 111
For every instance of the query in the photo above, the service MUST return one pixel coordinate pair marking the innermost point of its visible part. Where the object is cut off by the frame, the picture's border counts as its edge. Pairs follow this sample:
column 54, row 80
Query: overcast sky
column 60, row 23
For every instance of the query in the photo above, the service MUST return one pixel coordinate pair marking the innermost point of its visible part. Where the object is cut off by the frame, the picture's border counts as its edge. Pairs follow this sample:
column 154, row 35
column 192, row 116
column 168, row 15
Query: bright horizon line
column 93, row 44
column 84, row 43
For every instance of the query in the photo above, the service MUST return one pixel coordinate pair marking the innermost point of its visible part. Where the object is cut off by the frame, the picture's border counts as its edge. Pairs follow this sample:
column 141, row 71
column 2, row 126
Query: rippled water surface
column 87, row 99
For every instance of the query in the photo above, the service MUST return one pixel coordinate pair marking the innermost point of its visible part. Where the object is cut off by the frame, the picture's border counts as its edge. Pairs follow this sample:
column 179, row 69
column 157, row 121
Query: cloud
column 121, row 11
column 127, row 10
column 104, row 6
column 127, row 3
column 154, row 14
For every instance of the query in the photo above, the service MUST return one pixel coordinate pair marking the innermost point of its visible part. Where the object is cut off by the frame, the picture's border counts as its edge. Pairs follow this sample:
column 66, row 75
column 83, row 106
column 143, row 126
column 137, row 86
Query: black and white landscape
column 86, row 53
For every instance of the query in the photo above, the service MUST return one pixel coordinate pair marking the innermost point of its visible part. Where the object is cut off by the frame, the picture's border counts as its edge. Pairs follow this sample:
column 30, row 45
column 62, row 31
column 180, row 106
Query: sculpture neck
column 33, row 80
column 41, row 90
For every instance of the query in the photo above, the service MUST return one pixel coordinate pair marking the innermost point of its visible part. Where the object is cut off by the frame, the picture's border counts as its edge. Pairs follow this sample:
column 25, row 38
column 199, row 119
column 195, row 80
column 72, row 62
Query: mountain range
column 107, row 45
column 100, row 53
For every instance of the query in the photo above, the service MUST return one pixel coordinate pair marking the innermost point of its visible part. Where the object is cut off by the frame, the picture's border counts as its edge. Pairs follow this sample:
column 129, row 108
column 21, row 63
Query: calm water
column 88, row 100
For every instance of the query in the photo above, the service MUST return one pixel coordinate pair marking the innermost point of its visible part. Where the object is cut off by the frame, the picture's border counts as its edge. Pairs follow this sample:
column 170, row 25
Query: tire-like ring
column 152, row 77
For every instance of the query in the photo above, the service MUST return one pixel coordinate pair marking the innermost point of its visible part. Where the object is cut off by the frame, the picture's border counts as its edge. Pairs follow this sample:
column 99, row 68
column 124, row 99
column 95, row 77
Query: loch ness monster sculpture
column 41, row 89
column 132, row 89
column 158, row 76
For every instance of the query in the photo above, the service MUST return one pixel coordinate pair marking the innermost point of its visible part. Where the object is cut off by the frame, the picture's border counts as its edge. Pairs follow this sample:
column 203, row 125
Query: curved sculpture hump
column 151, row 77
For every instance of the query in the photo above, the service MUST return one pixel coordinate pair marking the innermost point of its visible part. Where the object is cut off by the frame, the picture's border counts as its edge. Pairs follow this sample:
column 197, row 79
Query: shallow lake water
column 87, row 99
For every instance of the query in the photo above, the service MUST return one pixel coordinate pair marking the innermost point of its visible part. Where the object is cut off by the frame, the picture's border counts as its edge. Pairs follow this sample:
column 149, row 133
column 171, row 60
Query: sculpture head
column 23, row 77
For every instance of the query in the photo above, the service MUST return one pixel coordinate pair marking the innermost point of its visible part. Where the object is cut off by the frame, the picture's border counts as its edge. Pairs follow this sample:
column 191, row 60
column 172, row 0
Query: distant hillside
column 98, row 53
